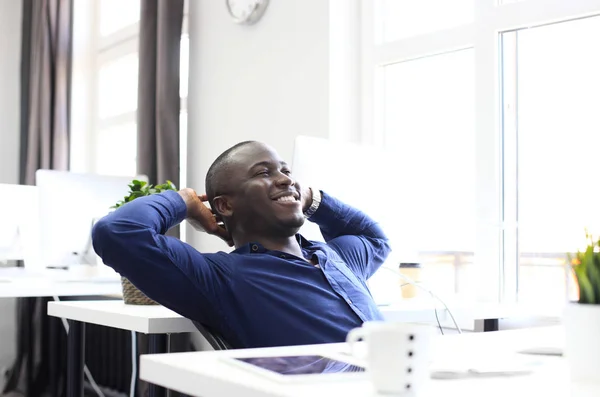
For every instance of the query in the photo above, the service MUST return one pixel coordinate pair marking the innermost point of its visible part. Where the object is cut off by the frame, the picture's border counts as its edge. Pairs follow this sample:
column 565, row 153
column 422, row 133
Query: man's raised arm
column 357, row 238
column 131, row 240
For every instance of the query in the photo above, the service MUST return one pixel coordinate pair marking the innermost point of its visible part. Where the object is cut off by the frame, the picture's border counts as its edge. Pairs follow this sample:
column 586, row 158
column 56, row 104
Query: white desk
column 20, row 283
column 422, row 310
column 155, row 320
column 205, row 374
column 160, row 320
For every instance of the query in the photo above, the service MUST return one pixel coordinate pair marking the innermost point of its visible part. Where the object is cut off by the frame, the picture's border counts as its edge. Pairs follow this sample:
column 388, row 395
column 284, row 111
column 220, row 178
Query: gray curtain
column 45, row 86
column 158, row 113
column 158, row 90
column 45, row 108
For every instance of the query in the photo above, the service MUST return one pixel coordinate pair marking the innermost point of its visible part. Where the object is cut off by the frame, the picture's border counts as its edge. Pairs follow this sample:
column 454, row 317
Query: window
column 556, row 93
column 124, row 151
column 117, row 86
column 487, row 103
column 105, row 87
column 409, row 18
column 435, row 157
column 116, row 15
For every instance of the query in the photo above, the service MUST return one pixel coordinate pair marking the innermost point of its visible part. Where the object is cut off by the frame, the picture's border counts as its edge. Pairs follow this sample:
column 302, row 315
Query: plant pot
column 133, row 296
column 582, row 347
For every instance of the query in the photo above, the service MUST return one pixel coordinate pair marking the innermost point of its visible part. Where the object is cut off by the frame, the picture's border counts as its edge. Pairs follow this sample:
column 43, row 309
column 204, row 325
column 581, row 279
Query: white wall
column 10, row 58
column 271, row 81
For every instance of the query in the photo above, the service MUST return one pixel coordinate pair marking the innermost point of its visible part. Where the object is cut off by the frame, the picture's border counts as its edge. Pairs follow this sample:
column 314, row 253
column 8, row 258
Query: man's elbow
column 100, row 235
column 106, row 242
column 380, row 250
column 386, row 248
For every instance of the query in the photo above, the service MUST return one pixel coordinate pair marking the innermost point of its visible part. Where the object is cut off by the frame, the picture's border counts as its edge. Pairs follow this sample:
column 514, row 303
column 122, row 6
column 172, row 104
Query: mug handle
column 353, row 336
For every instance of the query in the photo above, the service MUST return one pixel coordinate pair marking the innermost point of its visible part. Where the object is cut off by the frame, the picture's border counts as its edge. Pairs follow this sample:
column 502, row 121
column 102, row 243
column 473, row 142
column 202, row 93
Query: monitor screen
column 19, row 231
column 70, row 203
column 301, row 365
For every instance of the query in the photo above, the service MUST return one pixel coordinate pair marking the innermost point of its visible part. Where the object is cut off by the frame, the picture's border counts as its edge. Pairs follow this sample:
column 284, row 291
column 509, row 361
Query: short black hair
column 214, row 177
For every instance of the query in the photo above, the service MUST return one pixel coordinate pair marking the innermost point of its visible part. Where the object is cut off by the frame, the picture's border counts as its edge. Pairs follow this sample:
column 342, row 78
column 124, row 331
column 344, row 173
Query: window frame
column 496, row 244
column 91, row 52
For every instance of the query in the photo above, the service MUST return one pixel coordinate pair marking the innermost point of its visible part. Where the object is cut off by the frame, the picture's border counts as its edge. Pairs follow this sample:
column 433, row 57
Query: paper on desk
column 484, row 366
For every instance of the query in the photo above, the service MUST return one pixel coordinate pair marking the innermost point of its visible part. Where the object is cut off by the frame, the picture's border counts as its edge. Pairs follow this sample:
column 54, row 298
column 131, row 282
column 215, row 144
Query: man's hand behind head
column 306, row 196
column 202, row 217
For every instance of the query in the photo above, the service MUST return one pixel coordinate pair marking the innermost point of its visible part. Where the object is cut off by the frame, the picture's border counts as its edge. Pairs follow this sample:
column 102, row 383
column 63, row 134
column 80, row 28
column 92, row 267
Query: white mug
column 398, row 355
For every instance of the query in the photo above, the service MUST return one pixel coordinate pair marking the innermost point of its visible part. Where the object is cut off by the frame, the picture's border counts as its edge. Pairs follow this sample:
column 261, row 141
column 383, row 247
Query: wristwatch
column 316, row 195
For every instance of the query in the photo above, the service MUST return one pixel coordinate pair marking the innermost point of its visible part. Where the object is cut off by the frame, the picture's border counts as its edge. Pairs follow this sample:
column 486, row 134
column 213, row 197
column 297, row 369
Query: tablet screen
column 301, row 365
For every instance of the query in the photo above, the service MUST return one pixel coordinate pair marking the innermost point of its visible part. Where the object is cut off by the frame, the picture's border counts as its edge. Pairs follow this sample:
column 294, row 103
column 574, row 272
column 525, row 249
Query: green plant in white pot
column 582, row 317
column 137, row 189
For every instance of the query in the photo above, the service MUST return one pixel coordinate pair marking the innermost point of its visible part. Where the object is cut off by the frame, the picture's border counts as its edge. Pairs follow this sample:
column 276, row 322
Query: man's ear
column 223, row 207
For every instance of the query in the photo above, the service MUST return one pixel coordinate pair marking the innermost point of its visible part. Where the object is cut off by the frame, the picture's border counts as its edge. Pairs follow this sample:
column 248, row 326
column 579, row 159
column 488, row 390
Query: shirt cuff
column 328, row 209
column 179, row 209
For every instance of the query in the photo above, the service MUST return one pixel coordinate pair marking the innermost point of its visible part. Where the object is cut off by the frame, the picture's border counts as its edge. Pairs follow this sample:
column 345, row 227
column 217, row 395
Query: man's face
column 265, row 198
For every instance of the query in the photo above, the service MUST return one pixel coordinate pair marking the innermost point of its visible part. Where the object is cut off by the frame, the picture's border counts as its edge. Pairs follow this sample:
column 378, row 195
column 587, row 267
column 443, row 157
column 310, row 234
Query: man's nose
column 284, row 180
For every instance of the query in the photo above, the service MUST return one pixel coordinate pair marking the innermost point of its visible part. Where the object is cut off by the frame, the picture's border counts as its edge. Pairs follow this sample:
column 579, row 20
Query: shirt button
column 349, row 301
column 255, row 248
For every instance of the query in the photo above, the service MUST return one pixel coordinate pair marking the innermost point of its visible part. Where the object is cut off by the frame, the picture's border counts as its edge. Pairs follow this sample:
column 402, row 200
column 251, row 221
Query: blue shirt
column 252, row 296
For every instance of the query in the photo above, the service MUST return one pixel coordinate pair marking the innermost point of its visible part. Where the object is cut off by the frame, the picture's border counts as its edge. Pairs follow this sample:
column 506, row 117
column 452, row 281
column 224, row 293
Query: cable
column 418, row 285
column 86, row 371
column 133, row 364
column 438, row 321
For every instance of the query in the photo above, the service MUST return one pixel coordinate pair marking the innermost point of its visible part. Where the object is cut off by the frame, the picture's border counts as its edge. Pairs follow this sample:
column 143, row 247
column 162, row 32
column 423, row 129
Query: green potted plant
column 137, row 188
column 582, row 317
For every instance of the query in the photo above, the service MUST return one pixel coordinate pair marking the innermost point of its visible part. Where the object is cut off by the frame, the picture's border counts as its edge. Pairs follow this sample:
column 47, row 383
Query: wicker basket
column 133, row 296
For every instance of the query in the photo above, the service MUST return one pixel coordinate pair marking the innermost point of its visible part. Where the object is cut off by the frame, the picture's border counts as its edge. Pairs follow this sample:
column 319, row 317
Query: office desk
column 205, row 374
column 423, row 311
column 156, row 321
column 22, row 283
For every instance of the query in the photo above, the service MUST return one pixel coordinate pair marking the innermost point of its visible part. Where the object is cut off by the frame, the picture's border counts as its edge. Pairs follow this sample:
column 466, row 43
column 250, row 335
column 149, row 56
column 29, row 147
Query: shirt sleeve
column 131, row 240
column 357, row 238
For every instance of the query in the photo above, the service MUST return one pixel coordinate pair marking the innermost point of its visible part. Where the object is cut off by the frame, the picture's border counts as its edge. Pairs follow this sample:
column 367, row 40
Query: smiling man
column 275, row 288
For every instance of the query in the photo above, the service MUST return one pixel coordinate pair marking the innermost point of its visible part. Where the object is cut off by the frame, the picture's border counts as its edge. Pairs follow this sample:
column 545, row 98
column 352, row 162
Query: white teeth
column 286, row 198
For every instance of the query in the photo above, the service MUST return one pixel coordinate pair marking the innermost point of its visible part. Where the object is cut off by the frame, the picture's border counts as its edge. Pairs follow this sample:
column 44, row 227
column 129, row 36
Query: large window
column 490, row 106
column 105, row 88
column 429, row 125
column 555, row 91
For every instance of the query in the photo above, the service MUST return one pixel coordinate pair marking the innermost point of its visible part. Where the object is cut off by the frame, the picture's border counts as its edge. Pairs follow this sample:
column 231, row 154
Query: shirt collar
column 257, row 248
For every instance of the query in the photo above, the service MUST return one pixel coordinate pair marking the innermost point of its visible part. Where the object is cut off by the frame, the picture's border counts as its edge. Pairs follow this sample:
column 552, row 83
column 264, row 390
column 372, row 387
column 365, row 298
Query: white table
column 205, row 374
column 23, row 283
column 422, row 310
column 156, row 321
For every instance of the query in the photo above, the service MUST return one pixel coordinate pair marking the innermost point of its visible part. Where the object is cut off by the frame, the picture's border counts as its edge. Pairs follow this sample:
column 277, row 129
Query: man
column 275, row 288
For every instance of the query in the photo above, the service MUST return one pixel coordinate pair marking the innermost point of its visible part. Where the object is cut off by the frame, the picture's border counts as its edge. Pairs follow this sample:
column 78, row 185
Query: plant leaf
column 593, row 273
column 586, row 290
column 139, row 188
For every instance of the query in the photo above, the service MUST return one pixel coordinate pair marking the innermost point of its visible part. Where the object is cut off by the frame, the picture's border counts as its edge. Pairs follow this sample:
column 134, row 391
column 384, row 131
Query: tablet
column 300, row 368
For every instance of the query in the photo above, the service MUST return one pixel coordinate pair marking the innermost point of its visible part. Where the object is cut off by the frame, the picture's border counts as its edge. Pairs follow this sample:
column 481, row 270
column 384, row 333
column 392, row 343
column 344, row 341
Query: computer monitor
column 19, row 233
column 69, row 205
